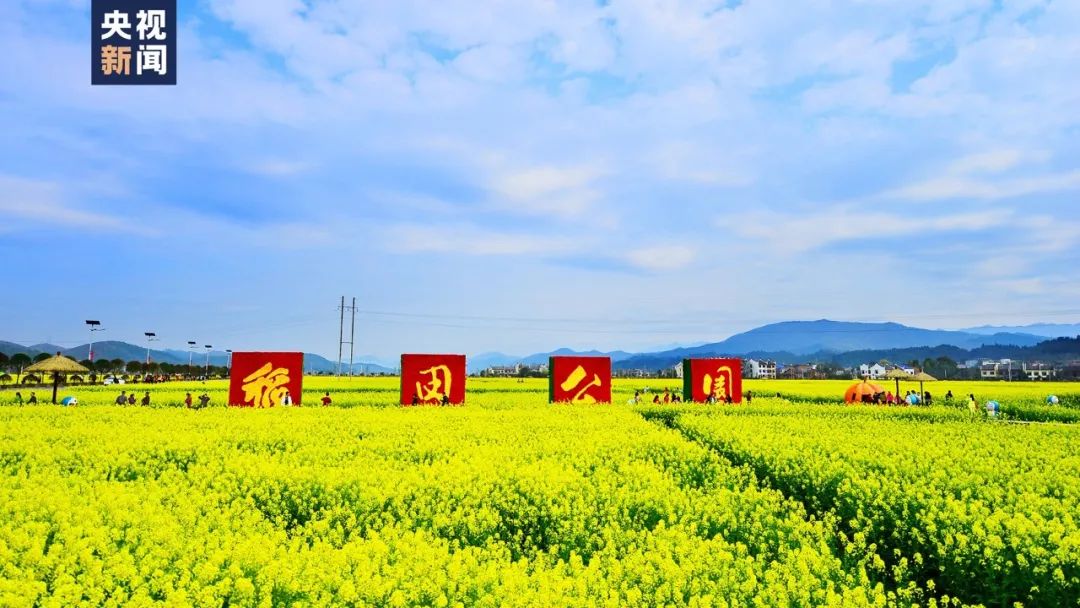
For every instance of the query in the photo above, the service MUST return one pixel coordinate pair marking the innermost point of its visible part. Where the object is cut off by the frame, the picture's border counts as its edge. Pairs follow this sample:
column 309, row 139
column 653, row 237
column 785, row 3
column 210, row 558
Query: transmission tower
column 341, row 334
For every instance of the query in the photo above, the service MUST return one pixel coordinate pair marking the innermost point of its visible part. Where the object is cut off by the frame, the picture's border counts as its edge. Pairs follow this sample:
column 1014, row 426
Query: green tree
column 134, row 367
column 4, row 360
column 946, row 367
column 38, row 358
column 20, row 361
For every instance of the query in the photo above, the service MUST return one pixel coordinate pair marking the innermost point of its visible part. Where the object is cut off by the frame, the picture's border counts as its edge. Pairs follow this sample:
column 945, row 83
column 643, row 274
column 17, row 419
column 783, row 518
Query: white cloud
column 993, row 161
column 703, row 164
column 661, row 257
column 568, row 192
column 959, row 187
column 41, row 203
column 471, row 240
column 278, row 167
column 788, row 233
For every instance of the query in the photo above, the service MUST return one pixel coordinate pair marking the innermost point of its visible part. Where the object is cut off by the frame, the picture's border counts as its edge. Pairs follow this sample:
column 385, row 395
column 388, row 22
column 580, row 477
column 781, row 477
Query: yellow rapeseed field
column 509, row 501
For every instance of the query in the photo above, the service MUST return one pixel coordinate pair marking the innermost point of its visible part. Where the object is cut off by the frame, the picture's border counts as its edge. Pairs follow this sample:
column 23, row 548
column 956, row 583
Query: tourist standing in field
column 121, row 399
column 972, row 404
column 33, row 398
column 131, row 398
column 326, row 400
column 286, row 399
column 204, row 400
column 18, row 398
column 146, row 398
column 187, row 400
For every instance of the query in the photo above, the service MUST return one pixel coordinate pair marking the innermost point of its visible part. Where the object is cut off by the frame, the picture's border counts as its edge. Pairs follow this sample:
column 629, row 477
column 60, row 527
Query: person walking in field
column 667, row 396
column 187, row 400
column 973, row 405
column 204, row 400
column 286, row 399
column 415, row 399
column 33, row 398
column 749, row 397
column 326, row 400
column 445, row 399
column 18, row 398
column 121, row 399
column 146, row 398
column 131, row 398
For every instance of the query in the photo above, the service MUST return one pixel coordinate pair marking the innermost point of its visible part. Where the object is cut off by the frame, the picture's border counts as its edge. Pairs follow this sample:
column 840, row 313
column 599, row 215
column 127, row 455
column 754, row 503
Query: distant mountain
column 112, row 349
column 536, row 359
column 793, row 341
column 1052, row 350
column 476, row 363
column 1046, row 330
column 483, row 361
column 804, row 337
column 785, row 342
column 10, row 348
column 317, row 363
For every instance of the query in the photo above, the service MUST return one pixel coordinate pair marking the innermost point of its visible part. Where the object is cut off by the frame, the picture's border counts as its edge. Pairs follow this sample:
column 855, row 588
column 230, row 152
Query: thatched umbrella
column 56, row 366
column 897, row 374
column 923, row 377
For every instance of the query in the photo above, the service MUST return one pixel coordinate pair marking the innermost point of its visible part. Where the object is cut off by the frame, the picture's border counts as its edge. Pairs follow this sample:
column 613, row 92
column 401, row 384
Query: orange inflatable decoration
column 855, row 392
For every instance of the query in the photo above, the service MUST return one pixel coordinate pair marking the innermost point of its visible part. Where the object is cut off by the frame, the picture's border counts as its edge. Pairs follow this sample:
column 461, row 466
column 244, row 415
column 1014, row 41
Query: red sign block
column 579, row 379
column 263, row 379
column 718, row 378
column 432, row 379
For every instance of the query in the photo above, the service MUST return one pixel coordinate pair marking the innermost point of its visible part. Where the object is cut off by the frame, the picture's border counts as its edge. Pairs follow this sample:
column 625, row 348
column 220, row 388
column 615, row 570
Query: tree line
column 12, row 369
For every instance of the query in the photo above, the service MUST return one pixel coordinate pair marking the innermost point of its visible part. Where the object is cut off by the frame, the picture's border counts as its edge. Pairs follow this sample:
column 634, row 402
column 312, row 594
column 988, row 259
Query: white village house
column 760, row 368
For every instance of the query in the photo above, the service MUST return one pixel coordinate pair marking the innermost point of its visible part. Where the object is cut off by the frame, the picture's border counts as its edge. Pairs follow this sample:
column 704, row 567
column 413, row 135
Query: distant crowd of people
column 669, row 396
column 125, row 398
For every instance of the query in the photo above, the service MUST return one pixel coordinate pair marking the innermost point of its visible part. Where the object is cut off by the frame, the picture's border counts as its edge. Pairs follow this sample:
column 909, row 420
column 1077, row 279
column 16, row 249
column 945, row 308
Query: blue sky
column 519, row 176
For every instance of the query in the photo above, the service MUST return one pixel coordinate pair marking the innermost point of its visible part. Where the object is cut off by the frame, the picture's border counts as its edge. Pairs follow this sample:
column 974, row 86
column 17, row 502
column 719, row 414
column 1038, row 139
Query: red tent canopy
column 855, row 392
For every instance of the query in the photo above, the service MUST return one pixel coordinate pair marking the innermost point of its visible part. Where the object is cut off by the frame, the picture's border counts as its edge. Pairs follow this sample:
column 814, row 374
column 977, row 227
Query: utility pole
column 191, row 350
column 206, row 372
column 341, row 334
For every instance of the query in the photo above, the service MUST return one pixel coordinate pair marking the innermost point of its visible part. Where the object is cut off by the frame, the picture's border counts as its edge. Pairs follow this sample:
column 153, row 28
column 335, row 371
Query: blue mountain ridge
column 788, row 339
